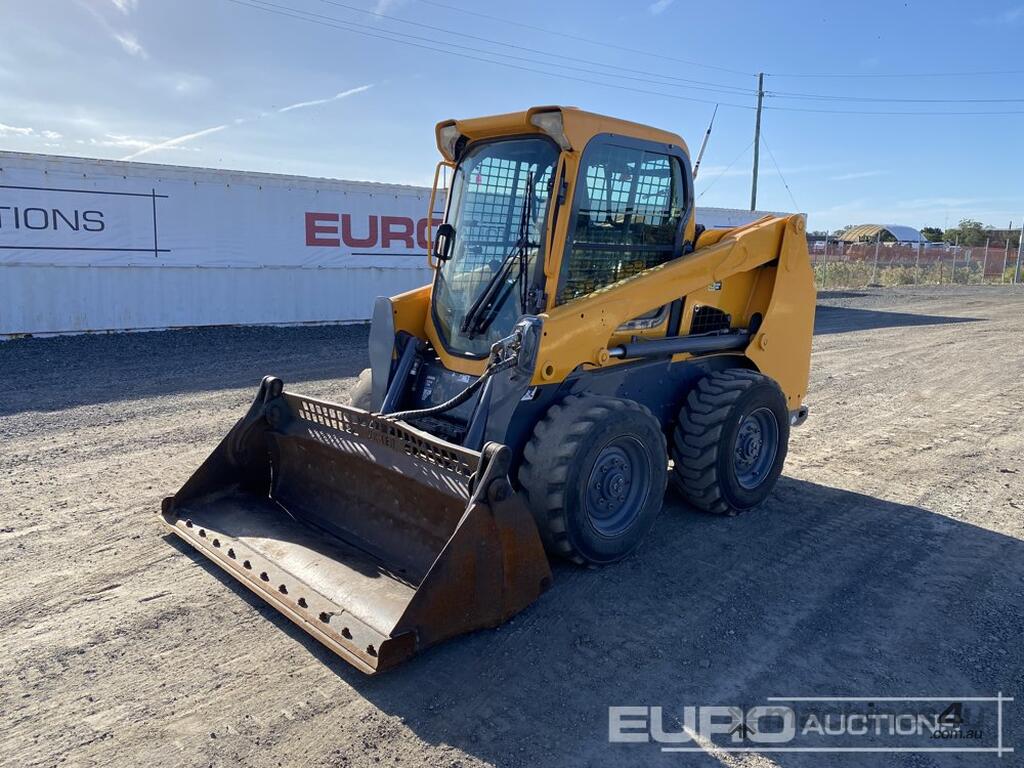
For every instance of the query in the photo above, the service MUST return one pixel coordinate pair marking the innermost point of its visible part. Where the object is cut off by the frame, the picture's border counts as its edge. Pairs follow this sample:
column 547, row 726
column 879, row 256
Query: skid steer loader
column 581, row 331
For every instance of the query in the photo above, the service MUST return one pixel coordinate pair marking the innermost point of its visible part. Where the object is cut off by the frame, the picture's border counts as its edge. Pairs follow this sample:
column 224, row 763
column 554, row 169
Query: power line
column 924, row 113
column 836, row 97
column 709, row 86
column 796, row 208
column 603, row 44
column 400, row 38
column 906, row 75
column 582, row 39
column 409, row 40
column 730, row 165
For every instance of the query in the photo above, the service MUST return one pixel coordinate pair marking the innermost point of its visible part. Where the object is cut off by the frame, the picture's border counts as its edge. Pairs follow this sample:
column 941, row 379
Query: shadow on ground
column 820, row 592
column 47, row 374
column 845, row 319
column 91, row 369
column 841, row 294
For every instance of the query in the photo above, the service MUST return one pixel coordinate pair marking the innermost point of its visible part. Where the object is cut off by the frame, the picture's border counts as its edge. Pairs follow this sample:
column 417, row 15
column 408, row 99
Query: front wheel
column 730, row 441
column 594, row 473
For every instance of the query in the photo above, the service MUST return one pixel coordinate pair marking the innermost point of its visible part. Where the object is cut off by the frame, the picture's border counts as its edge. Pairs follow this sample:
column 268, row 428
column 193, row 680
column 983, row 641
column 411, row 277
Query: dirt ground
column 889, row 561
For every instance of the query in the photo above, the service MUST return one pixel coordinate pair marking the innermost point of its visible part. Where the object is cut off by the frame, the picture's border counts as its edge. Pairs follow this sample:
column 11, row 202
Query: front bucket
column 374, row 537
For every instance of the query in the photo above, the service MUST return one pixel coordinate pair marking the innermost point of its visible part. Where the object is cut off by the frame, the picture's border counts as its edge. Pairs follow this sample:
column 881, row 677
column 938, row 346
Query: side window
column 629, row 205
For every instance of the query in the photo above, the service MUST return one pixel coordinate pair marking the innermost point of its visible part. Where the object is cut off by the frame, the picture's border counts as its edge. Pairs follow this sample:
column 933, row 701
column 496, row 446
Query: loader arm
column 577, row 333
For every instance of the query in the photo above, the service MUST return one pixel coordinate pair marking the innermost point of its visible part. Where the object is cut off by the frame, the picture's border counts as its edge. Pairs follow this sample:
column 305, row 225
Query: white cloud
column 127, row 142
column 858, row 175
column 659, row 6
column 169, row 143
column 131, row 44
column 125, row 6
column 708, row 172
column 335, row 97
column 1007, row 17
column 123, row 141
column 941, row 211
column 127, row 40
column 7, row 130
column 52, row 135
column 186, row 83
column 384, row 5
column 177, row 141
column 938, row 202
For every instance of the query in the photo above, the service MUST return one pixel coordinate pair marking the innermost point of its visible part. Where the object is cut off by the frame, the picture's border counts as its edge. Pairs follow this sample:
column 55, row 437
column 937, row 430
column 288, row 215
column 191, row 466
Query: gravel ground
column 890, row 561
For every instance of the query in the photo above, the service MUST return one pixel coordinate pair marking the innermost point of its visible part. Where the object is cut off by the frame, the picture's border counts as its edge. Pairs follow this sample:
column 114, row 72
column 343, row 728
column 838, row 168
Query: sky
column 352, row 89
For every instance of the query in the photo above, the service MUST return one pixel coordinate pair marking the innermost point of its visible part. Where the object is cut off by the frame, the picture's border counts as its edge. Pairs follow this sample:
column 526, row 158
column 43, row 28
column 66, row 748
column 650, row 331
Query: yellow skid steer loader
column 582, row 329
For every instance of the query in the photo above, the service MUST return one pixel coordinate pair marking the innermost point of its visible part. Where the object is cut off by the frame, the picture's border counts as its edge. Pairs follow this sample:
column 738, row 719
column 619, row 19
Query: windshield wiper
column 485, row 309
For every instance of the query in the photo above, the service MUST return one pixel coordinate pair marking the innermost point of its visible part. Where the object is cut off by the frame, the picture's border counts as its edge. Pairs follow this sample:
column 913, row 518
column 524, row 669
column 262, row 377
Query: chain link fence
column 859, row 265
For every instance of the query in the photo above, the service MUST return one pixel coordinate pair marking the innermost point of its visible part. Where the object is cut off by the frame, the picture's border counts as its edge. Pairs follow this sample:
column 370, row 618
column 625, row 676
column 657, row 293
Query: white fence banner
column 75, row 212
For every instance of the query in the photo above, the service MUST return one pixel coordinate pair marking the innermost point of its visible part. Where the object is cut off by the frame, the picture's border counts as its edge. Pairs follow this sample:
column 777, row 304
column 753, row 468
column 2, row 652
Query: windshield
column 498, row 209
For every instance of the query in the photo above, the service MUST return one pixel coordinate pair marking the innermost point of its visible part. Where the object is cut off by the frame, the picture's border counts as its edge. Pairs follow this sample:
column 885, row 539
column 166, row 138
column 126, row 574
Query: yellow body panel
column 412, row 310
column 758, row 268
column 578, row 333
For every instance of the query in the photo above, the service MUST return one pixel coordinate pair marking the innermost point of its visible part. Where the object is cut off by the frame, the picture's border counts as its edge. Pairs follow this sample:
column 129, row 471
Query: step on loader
column 583, row 342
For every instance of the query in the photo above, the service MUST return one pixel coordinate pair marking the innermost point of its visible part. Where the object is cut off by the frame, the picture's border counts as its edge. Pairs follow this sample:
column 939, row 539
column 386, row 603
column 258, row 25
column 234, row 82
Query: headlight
column 448, row 137
column 551, row 124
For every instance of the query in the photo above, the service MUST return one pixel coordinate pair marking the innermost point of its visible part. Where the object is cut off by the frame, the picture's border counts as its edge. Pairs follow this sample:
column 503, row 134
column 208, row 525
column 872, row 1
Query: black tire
column 722, row 441
column 594, row 474
column 361, row 394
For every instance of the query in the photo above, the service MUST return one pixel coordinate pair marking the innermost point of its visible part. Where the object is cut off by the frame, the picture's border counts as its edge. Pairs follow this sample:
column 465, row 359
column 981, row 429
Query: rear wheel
column 361, row 394
column 730, row 441
column 594, row 473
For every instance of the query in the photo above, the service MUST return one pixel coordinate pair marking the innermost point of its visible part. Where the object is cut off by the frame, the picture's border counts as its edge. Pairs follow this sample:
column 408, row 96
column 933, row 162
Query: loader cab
column 546, row 207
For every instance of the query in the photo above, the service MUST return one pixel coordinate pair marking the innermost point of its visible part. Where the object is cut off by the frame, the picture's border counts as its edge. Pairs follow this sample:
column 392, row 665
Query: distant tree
column 932, row 234
column 969, row 232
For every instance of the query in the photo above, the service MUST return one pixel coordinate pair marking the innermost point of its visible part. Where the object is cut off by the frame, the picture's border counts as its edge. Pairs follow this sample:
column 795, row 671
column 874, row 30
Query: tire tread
column 556, row 440
column 696, row 438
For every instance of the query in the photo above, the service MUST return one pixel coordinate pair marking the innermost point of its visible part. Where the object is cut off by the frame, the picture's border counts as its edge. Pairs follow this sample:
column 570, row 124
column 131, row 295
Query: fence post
column 874, row 269
column 1006, row 258
column 984, row 267
column 1020, row 252
column 952, row 273
column 824, row 266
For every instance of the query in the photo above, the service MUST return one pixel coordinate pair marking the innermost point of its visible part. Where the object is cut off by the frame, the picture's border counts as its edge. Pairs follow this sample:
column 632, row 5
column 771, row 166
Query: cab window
column 628, row 215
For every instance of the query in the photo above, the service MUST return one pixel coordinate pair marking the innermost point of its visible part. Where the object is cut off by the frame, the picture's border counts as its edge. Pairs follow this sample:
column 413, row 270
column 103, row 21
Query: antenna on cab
column 704, row 143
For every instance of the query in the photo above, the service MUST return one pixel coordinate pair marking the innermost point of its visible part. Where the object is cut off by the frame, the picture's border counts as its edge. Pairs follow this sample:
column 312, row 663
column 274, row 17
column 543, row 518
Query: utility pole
column 757, row 139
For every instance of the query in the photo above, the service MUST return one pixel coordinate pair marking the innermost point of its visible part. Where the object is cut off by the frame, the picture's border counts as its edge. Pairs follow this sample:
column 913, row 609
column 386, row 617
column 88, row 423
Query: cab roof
column 577, row 126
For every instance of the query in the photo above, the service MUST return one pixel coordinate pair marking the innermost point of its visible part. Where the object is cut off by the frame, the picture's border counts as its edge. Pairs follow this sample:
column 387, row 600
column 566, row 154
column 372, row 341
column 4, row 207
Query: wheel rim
column 757, row 442
column 618, row 486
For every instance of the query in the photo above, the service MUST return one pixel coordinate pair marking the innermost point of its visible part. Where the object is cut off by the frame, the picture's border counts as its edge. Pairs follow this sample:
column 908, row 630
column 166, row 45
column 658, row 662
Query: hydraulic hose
column 447, row 405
